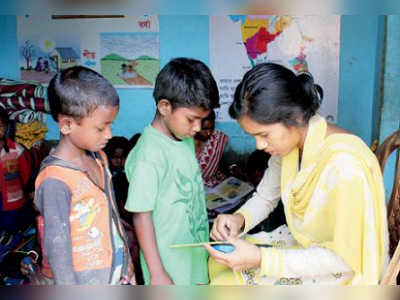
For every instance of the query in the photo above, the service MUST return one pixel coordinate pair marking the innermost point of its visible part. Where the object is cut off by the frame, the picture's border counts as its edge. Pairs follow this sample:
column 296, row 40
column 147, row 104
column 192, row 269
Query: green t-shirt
column 165, row 179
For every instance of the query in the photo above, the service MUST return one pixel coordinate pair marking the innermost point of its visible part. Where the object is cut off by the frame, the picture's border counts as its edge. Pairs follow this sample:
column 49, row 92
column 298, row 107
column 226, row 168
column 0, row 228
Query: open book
column 227, row 194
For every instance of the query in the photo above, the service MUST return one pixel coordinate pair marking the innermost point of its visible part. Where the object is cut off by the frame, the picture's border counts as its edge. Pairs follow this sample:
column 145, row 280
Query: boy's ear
column 65, row 124
column 164, row 107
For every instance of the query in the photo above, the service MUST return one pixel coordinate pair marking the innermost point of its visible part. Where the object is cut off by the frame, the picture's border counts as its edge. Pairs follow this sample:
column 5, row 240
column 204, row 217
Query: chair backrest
column 391, row 144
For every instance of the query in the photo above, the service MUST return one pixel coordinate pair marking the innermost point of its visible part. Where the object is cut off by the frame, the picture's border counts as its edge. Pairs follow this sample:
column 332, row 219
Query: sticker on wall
column 124, row 49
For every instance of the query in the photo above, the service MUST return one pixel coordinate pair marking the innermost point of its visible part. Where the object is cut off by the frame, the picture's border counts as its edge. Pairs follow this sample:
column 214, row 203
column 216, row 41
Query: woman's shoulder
column 337, row 136
column 332, row 129
column 347, row 150
column 146, row 152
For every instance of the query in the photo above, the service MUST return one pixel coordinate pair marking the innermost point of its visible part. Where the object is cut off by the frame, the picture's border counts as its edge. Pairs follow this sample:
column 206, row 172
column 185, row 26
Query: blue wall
column 8, row 48
column 360, row 70
column 390, row 114
column 360, row 64
column 391, row 83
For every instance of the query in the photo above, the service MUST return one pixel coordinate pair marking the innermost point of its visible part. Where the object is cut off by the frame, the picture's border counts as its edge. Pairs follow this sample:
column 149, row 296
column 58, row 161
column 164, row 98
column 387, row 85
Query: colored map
column 259, row 32
column 302, row 43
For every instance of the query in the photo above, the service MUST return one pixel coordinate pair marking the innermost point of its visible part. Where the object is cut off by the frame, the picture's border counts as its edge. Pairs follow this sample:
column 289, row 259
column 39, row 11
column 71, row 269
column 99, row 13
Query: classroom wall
column 8, row 48
column 360, row 67
column 360, row 73
column 390, row 112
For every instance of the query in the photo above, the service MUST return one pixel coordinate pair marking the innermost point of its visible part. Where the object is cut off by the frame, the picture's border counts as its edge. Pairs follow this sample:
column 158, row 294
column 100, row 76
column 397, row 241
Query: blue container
column 225, row 248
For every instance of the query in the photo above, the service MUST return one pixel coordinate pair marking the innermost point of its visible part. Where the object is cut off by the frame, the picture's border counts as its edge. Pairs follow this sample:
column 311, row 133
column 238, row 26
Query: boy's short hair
column 77, row 91
column 186, row 82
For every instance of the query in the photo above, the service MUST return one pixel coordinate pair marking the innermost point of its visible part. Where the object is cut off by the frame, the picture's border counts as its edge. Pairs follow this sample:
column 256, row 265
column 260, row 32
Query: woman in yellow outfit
column 330, row 184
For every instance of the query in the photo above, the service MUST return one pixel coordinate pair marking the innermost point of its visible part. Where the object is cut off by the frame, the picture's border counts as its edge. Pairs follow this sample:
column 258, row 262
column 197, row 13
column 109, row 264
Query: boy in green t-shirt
column 166, row 192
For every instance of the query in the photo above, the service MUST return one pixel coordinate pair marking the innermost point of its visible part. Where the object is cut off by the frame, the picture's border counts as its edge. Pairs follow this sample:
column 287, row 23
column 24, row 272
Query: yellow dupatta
column 328, row 206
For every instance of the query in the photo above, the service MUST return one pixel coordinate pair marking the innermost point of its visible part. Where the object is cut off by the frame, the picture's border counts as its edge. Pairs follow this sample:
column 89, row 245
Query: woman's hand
column 227, row 225
column 246, row 255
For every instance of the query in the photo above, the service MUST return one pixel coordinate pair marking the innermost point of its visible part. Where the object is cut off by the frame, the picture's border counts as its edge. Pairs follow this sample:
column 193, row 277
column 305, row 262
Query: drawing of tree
column 28, row 52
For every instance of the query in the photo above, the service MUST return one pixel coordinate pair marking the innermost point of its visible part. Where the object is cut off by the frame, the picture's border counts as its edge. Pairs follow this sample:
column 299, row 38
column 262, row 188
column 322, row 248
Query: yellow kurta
column 334, row 202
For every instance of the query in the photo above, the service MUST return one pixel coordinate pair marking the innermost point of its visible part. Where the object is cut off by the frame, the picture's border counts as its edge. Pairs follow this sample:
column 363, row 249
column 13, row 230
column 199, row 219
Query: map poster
column 124, row 49
column 301, row 43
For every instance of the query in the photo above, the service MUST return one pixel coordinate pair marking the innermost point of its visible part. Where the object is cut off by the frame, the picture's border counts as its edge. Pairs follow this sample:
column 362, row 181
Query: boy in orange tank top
column 84, row 240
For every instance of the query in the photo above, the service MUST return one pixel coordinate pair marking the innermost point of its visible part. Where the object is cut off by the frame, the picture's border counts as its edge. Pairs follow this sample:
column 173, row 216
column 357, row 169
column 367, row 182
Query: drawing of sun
column 47, row 44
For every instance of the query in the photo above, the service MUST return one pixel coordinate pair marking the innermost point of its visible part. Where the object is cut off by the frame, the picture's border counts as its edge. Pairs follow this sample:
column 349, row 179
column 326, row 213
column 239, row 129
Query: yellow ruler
column 196, row 245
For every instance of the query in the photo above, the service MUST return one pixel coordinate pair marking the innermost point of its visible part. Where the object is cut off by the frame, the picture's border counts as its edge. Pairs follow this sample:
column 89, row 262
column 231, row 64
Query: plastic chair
column 391, row 144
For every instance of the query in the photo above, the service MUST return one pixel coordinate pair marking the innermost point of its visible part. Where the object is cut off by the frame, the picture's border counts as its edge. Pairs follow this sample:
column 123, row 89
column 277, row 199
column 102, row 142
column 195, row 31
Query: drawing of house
column 64, row 57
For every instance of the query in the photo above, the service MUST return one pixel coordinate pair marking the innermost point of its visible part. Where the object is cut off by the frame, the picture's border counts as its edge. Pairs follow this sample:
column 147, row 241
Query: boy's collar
column 52, row 160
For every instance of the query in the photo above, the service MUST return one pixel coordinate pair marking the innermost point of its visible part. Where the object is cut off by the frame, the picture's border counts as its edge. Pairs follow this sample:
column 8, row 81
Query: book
column 227, row 194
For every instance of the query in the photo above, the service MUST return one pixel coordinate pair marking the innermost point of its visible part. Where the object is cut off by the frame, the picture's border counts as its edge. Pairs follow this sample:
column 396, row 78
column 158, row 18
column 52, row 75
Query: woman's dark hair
column 271, row 93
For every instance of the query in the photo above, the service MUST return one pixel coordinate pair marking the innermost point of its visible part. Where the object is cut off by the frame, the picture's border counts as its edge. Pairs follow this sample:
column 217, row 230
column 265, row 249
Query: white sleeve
column 266, row 198
column 312, row 262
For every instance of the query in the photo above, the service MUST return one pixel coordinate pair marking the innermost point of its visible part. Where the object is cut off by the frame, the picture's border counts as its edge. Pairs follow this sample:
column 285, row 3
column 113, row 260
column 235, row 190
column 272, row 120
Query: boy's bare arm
column 148, row 243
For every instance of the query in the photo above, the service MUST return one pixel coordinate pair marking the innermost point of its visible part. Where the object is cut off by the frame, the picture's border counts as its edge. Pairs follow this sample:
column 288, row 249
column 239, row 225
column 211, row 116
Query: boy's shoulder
column 149, row 148
column 50, row 168
column 157, row 149
column 153, row 146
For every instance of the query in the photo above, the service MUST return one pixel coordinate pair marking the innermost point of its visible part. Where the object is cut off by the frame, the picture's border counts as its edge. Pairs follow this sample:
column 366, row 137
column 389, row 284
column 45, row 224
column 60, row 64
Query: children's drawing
column 41, row 57
column 130, row 59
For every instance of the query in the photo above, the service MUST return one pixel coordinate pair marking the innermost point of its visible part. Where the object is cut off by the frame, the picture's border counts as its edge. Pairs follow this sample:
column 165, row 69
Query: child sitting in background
column 117, row 150
column 166, row 192
column 210, row 146
column 16, row 209
column 16, row 214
